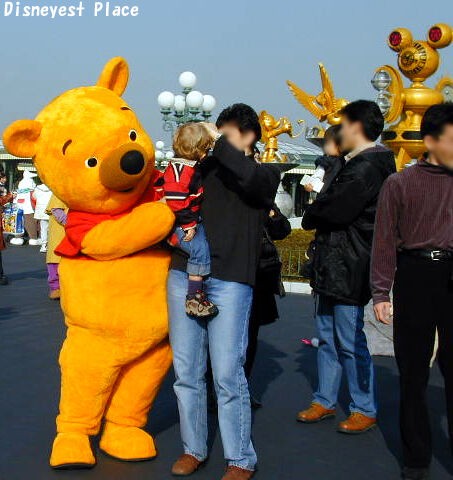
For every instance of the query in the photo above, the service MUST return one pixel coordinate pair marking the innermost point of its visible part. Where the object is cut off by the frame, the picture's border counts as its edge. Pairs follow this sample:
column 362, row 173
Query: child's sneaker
column 198, row 306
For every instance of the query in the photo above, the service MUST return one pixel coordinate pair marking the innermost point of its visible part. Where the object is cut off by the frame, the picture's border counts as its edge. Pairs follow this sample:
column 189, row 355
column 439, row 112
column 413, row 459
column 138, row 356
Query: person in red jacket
column 183, row 190
column 5, row 197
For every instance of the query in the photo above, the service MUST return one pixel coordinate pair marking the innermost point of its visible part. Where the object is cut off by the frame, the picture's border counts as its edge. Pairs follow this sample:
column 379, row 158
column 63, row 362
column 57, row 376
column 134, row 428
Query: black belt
column 434, row 255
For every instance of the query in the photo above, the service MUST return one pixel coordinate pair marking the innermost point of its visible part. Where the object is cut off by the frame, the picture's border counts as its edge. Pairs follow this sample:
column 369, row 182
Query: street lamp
column 163, row 155
column 189, row 106
column 381, row 82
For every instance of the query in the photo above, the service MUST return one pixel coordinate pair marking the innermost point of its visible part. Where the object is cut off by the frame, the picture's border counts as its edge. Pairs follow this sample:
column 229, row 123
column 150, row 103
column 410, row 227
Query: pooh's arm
column 143, row 227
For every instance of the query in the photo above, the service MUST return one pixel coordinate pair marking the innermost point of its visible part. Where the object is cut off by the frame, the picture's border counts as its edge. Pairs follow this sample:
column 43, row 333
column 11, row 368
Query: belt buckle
column 433, row 253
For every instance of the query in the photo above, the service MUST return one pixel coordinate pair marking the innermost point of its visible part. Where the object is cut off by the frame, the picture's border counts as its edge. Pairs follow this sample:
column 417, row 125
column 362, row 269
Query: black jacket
column 344, row 219
column 268, row 282
column 332, row 167
column 238, row 193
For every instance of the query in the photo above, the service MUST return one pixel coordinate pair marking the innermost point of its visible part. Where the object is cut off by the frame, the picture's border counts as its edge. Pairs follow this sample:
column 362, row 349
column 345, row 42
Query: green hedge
column 292, row 251
column 298, row 240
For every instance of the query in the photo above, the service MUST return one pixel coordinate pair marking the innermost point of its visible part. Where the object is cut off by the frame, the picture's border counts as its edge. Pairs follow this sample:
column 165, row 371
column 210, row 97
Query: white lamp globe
column 169, row 155
column 166, row 100
column 187, row 79
column 209, row 103
column 381, row 80
column 194, row 99
column 159, row 155
column 160, row 144
column 180, row 103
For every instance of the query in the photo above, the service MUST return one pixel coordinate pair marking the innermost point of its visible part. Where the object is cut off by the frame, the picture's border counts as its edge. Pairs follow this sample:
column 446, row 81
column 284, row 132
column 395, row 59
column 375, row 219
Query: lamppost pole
column 163, row 155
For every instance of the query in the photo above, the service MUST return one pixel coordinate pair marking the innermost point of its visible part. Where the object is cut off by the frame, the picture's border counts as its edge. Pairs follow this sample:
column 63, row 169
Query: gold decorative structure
column 271, row 129
column 417, row 60
column 325, row 106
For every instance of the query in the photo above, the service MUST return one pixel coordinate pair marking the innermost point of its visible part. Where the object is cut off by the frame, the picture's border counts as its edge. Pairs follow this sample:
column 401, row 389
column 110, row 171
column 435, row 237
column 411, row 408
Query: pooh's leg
column 131, row 400
column 88, row 374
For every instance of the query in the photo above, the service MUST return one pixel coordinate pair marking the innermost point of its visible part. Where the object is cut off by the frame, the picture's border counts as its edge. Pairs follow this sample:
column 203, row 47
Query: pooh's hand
column 143, row 227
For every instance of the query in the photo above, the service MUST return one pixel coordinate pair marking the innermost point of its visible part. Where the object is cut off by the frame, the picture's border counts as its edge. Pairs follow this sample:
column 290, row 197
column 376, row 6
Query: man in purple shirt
column 413, row 251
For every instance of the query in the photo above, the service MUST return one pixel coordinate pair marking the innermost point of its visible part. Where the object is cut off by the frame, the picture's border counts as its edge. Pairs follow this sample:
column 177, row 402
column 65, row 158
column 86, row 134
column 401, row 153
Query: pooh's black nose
column 132, row 162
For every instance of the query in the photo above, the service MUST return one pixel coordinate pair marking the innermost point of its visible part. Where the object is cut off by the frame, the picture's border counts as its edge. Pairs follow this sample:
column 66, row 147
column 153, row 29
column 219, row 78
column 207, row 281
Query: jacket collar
column 359, row 150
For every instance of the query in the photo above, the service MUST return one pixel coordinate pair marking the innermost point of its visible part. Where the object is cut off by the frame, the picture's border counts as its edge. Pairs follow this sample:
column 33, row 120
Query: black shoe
column 4, row 280
column 254, row 403
column 415, row 473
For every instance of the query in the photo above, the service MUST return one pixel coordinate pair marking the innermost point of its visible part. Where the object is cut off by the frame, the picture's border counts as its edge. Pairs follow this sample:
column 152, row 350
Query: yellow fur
column 116, row 353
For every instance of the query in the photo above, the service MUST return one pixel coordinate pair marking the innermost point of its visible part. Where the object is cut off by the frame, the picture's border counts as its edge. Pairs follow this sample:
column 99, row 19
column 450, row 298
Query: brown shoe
column 236, row 473
column 54, row 295
column 357, row 423
column 199, row 306
column 185, row 465
column 315, row 414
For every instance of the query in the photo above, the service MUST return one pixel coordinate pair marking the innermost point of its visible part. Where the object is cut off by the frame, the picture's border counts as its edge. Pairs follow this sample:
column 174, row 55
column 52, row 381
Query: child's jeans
column 199, row 263
column 53, row 278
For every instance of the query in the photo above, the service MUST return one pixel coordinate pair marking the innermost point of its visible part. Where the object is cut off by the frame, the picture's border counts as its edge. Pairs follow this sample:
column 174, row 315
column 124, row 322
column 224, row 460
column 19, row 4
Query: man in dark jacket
column 238, row 194
column 344, row 219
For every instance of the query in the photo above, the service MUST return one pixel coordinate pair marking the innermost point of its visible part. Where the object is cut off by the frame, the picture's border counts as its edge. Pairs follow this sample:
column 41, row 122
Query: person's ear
column 115, row 76
column 21, row 138
column 249, row 138
column 430, row 142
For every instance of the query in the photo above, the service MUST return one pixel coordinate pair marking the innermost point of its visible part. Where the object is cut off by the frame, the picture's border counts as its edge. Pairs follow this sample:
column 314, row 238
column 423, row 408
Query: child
column 327, row 168
column 183, row 193
column 57, row 212
column 328, row 165
column 41, row 195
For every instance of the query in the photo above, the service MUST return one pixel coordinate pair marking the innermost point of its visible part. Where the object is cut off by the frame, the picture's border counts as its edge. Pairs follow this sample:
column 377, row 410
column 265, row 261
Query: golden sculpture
column 417, row 60
column 271, row 129
column 325, row 106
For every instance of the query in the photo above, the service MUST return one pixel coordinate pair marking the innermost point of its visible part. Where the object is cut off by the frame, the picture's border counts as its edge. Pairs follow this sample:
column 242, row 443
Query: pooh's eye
column 133, row 135
column 91, row 162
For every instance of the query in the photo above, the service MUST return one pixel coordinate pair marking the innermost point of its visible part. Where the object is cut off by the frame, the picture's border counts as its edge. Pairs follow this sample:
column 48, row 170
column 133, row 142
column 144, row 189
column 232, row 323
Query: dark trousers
column 1, row 264
column 423, row 301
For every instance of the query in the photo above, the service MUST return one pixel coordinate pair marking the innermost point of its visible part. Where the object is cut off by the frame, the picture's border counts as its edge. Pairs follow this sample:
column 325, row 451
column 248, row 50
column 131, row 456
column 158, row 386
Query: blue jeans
column 226, row 336
column 199, row 262
column 343, row 345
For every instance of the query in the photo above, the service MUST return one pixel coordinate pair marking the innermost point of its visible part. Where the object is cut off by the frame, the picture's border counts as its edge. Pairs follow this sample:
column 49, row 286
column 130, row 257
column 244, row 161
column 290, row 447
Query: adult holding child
column 344, row 216
column 238, row 194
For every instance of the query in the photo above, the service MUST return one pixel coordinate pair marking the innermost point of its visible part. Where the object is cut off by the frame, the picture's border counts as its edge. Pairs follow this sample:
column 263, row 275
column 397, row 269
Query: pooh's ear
column 21, row 137
column 115, row 76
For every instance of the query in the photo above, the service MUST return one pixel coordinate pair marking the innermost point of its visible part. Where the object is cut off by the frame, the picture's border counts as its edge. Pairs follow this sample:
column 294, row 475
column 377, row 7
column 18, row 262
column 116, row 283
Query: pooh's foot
column 130, row 444
column 72, row 451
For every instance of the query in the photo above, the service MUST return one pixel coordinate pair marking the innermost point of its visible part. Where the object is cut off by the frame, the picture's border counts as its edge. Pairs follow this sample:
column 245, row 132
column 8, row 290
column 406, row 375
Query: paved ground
column 31, row 334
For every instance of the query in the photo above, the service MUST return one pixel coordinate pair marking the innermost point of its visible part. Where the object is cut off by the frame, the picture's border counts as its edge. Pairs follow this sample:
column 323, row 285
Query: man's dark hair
column 333, row 133
column 368, row 114
column 243, row 116
column 435, row 120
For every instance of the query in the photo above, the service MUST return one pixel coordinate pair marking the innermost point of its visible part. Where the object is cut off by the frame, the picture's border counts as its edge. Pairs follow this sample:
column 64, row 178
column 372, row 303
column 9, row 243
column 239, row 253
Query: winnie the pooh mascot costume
column 90, row 149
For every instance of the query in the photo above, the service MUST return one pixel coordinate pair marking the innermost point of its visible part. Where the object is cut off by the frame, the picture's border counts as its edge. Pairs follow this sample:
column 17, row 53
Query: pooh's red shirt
column 78, row 224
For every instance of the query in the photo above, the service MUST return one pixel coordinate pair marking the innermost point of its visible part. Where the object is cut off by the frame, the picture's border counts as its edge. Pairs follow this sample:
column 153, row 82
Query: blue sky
column 241, row 50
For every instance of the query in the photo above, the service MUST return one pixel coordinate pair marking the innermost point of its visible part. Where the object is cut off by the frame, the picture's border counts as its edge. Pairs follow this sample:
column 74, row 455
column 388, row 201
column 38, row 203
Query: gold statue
column 271, row 129
column 324, row 106
column 417, row 60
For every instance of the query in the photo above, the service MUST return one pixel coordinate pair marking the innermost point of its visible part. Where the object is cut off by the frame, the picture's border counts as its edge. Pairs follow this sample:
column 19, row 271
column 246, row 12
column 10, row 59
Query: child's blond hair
column 192, row 141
